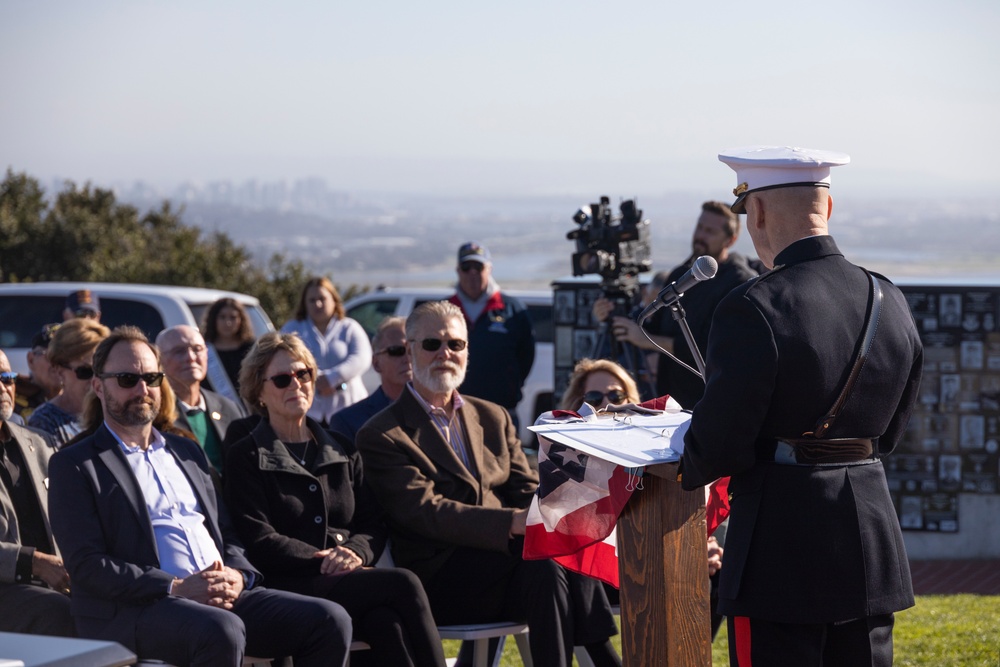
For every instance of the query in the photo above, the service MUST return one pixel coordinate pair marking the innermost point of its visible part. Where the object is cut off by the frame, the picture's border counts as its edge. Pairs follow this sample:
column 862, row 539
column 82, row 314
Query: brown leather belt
column 813, row 451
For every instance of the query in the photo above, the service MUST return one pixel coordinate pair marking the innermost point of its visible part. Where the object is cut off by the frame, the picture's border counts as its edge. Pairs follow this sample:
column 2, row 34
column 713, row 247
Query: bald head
column 185, row 357
column 777, row 218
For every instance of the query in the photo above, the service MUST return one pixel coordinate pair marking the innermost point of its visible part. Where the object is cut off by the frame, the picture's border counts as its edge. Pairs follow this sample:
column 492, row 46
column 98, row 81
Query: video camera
column 616, row 247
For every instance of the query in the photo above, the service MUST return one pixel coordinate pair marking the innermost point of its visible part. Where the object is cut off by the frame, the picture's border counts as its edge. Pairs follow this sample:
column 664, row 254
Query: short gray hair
column 394, row 322
column 444, row 310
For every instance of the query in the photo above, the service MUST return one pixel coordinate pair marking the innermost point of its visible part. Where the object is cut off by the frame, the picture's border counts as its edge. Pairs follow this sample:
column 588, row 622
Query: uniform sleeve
column 741, row 371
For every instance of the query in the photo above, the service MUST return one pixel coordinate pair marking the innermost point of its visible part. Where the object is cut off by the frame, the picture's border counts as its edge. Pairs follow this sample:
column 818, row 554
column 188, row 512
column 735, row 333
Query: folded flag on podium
column 572, row 517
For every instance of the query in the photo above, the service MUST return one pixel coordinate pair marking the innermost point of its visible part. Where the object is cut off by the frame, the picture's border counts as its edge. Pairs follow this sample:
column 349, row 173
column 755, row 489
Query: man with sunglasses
column 33, row 582
column 203, row 412
column 391, row 362
column 501, row 336
column 451, row 475
column 152, row 554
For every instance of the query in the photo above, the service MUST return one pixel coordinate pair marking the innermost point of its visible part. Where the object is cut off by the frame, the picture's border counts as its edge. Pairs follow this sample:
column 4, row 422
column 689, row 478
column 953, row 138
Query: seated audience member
column 34, row 585
column 164, row 421
column 203, row 412
column 299, row 502
column 392, row 365
column 70, row 352
column 42, row 384
column 229, row 337
column 456, row 485
column 149, row 546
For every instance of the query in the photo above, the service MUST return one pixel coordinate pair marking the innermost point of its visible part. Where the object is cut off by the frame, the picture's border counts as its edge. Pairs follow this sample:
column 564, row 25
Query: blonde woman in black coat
column 298, row 499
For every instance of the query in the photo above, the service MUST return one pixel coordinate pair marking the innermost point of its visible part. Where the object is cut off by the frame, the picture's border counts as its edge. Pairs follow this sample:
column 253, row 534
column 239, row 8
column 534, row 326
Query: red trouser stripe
column 741, row 628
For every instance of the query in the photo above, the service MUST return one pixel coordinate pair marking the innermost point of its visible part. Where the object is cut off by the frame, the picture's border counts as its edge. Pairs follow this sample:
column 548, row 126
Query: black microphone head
column 704, row 268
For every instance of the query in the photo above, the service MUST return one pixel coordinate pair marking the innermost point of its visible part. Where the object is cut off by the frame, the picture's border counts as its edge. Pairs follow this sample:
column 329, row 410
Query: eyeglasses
column 82, row 372
column 129, row 380
column 183, row 350
column 393, row 350
column 86, row 313
column 615, row 397
column 282, row 380
column 471, row 266
column 434, row 344
column 8, row 378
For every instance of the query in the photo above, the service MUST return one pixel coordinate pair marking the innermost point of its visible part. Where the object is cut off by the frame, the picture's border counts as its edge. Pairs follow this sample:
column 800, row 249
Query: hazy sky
column 508, row 97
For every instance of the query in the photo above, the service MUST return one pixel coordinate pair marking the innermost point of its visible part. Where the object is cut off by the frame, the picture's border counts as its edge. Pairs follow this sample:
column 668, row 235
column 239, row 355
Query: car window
column 21, row 317
column 541, row 317
column 371, row 313
column 115, row 312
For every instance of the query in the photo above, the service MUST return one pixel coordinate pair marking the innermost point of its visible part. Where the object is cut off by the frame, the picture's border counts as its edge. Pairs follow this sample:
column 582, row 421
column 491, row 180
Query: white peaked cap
column 767, row 167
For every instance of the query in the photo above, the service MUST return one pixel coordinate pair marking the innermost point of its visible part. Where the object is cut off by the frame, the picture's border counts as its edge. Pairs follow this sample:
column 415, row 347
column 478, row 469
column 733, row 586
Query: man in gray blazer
column 203, row 412
column 33, row 581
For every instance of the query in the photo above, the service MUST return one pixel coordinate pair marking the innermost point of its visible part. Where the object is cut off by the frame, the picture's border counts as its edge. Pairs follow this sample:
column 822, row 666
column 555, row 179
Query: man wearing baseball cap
column 82, row 303
column 501, row 336
column 813, row 370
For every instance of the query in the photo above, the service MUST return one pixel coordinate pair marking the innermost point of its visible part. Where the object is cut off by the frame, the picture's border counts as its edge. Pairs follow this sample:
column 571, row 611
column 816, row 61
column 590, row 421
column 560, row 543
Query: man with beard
column 33, row 582
column 151, row 551
column 203, row 412
column 455, row 484
column 714, row 235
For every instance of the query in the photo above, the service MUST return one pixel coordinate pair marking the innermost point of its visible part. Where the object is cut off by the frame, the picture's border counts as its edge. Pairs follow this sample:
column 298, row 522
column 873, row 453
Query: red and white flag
column 572, row 517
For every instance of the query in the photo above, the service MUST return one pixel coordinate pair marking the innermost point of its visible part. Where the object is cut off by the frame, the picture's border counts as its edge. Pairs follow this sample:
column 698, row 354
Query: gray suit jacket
column 36, row 451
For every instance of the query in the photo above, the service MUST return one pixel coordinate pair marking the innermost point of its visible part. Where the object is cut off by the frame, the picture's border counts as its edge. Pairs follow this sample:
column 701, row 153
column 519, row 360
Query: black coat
column 285, row 513
column 805, row 544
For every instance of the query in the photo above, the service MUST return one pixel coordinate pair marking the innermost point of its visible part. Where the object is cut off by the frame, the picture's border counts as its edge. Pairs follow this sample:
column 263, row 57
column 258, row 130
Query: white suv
column 371, row 308
column 26, row 307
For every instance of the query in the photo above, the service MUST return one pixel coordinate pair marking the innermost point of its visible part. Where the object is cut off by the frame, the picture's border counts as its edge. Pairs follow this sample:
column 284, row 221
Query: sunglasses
column 615, row 397
column 129, row 380
column 283, row 380
column 471, row 266
column 393, row 350
column 434, row 344
column 8, row 378
column 83, row 372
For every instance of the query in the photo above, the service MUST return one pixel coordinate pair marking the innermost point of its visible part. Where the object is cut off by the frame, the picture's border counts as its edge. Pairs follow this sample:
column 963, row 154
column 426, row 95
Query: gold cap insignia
column 740, row 189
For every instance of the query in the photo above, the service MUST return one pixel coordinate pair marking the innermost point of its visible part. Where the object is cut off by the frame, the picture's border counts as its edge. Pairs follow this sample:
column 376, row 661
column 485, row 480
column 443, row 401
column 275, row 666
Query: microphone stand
column 677, row 312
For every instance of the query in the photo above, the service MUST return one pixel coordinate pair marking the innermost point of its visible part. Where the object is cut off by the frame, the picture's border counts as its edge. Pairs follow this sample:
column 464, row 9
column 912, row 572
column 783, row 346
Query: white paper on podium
column 634, row 441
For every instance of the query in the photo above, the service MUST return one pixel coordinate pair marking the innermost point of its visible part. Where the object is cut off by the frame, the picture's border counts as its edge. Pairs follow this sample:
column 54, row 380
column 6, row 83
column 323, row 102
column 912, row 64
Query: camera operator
column 714, row 235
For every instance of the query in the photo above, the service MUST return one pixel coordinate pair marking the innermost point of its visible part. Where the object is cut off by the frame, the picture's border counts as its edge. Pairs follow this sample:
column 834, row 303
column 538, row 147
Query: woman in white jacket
column 340, row 345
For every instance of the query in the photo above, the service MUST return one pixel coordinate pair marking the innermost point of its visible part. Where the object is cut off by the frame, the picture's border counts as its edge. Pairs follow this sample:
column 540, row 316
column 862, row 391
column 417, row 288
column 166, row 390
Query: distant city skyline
column 513, row 99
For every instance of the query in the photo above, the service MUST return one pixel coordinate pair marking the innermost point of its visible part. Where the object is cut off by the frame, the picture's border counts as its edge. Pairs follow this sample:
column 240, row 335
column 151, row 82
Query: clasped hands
column 338, row 560
column 51, row 570
column 217, row 586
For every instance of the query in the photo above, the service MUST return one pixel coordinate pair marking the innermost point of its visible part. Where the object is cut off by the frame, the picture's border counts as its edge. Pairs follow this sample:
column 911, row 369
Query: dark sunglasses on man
column 471, row 266
column 283, row 380
column 596, row 398
column 8, row 378
column 434, row 344
column 393, row 350
column 129, row 380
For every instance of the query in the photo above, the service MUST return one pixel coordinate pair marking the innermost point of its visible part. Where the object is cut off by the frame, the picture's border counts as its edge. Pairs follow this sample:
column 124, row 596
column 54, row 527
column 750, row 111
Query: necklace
column 305, row 450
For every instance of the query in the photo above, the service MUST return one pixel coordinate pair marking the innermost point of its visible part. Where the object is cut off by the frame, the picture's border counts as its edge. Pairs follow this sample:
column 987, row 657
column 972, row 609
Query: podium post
column 663, row 568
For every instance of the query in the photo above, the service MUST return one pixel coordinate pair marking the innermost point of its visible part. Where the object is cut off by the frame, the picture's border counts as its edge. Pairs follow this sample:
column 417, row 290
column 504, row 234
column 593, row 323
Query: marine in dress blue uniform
column 815, row 565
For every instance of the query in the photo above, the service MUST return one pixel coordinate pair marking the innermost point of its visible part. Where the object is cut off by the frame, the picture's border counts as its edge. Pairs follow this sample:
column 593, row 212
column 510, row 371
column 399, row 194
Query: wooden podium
column 663, row 566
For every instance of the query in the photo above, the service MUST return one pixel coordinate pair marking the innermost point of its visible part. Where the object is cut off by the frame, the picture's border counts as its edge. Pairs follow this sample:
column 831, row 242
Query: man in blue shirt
column 149, row 547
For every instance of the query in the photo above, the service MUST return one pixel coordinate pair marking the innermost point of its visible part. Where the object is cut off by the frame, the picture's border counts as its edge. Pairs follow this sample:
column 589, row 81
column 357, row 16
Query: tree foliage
column 86, row 235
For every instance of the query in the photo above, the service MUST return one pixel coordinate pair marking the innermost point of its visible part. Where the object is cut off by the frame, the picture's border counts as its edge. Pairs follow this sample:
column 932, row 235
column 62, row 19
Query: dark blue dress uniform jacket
column 806, row 544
